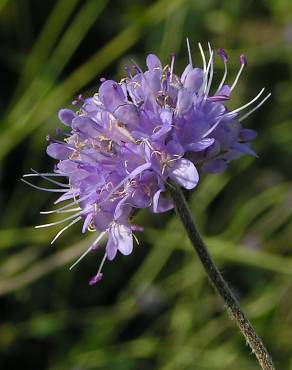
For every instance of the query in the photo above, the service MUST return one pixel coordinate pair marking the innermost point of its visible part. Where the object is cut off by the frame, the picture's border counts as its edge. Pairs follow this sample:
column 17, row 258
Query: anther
column 223, row 55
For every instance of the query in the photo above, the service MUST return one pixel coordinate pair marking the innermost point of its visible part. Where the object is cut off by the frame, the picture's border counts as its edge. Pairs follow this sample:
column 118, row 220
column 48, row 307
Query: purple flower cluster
column 133, row 137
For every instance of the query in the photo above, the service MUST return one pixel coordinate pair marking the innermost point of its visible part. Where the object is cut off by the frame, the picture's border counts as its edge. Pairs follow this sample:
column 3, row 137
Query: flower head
column 129, row 140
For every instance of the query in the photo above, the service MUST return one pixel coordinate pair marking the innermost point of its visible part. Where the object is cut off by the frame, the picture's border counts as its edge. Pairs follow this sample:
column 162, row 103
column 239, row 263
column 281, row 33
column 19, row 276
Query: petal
column 86, row 223
column 215, row 166
column 111, row 94
column 173, row 147
column 225, row 90
column 85, row 126
column 247, row 134
column 185, row 73
column 200, row 145
column 66, row 116
column 166, row 118
column 194, row 79
column 122, row 208
column 123, row 238
column 67, row 167
column 152, row 62
column 102, row 219
column 128, row 114
column 244, row 148
column 59, row 151
column 184, row 101
column 111, row 248
column 160, row 203
column 184, row 173
column 139, row 199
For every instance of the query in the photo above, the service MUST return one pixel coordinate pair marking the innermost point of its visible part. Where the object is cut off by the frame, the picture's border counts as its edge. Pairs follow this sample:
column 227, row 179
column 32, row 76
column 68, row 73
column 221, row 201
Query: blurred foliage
column 154, row 309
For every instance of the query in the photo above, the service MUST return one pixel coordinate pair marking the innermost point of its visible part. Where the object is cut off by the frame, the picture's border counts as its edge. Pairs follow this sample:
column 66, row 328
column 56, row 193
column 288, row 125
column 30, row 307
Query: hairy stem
column 218, row 281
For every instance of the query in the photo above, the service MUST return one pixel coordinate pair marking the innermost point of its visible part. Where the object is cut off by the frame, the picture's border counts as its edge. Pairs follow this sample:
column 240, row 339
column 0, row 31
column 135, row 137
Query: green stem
column 218, row 281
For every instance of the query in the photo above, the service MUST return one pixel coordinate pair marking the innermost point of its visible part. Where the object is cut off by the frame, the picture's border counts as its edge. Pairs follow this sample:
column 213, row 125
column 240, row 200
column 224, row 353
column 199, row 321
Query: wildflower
column 126, row 142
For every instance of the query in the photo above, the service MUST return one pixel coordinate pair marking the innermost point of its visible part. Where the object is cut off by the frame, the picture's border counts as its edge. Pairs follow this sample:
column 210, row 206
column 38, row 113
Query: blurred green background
column 154, row 309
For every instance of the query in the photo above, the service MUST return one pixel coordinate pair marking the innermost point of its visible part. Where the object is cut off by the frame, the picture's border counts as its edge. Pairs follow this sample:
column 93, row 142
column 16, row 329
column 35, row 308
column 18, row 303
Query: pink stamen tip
column 243, row 60
column 223, row 55
column 137, row 228
column 218, row 98
column 94, row 247
column 102, row 79
column 95, row 279
column 128, row 71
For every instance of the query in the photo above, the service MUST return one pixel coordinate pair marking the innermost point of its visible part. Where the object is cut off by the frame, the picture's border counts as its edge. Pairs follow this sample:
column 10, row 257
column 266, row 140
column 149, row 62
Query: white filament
column 72, row 203
column 45, row 189
column 203, row 57
column 171, row 67
column 213, row 127
column 223, row 78
column 246, row 105
column 57, row 211
column 46, row 178
column 101, row 264
column 254, row 109
column 65, row 228
column 190, row 54
column 58, row 222
column 237, row 77
column 88, row 250
column 207, row 89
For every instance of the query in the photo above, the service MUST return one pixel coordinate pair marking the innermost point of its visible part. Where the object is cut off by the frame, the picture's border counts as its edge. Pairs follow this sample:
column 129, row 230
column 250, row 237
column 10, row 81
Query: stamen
column 44, row 174
column 59, row 131
column 46, row 178
column 254, row 109
column 95, row 278
column 223, row 55
column 58, row 222
column 128, row 70
column 173, row 56
column 133, row 174
column 65, row 228
column 45, row 189
column 57, row 211
column 126, row 166
column 242, row 65
column 213, row 127
column 211, row 71
column 136, row 239
column 157, row 128
column 189, row 52
column 146, row 141
column 101, row 264
column 88, row 250
column 137, row 68
column 203, row 88
column 203, row 57
column 73, row 203
column 245, row 105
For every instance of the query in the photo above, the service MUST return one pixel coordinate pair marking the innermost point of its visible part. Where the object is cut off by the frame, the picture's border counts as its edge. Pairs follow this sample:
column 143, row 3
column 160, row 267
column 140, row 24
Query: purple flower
column 132, row 138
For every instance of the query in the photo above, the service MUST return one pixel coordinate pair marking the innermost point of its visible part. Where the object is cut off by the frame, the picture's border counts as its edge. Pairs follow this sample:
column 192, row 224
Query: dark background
column 154, row 309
